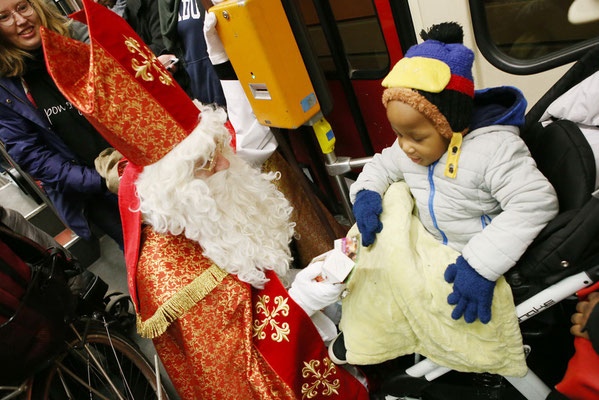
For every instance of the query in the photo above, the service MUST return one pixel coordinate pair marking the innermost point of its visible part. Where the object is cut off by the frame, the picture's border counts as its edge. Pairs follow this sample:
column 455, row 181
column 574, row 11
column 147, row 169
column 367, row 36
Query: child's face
column 416, row 135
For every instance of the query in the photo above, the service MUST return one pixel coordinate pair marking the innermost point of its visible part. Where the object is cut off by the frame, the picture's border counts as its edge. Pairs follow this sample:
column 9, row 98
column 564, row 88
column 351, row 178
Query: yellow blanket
column 397, row 302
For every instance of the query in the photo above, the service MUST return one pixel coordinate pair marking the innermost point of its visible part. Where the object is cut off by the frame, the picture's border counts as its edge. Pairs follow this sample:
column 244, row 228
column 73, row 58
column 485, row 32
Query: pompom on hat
column 435, row 78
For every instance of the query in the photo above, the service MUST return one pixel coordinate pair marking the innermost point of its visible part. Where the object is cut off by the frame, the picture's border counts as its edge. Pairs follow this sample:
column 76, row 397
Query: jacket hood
column 504, row 105
column 579, row 104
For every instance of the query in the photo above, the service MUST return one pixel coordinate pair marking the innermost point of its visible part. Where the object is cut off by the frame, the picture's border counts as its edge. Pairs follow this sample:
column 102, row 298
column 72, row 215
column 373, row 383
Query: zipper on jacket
column 485, row 220
column 431, row 196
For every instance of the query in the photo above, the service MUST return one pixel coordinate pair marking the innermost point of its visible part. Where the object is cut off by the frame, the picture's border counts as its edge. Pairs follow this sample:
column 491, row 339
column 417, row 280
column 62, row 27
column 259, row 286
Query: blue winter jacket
column 31, row 142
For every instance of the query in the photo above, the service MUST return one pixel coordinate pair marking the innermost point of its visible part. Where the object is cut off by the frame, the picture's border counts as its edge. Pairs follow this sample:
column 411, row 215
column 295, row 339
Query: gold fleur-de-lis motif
column 148, row 63
column 280, row 331
column 311, row 370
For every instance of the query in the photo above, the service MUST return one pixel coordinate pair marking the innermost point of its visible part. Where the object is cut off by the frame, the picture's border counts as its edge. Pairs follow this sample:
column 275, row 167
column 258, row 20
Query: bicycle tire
column 140, row 377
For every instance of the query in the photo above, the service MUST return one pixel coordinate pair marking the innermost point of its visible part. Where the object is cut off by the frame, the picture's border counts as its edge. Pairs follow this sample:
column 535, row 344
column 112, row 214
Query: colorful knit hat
column 435, row 78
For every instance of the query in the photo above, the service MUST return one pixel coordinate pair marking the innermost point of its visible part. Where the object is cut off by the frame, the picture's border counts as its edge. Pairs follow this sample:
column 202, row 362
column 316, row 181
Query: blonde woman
column 42, row 131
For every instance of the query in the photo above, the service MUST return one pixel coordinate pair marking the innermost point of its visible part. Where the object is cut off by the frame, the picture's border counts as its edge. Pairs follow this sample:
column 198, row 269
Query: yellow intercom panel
column 267, row 61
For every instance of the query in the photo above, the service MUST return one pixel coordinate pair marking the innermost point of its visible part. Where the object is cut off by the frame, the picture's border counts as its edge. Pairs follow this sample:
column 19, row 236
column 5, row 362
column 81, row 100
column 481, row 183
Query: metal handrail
column 337, row 167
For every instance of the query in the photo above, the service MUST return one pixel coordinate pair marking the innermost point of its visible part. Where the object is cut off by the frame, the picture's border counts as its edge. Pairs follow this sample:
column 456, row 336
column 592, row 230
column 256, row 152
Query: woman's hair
column 12, row 59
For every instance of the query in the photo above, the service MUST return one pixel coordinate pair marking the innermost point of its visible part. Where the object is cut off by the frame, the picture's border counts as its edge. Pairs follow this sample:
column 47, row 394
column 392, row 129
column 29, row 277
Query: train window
column 360, row 33
column 529, row 36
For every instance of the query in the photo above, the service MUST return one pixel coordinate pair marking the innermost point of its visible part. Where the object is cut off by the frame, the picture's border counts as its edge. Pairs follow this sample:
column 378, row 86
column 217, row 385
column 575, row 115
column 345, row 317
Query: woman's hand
column 167, row 61
column 107, row 165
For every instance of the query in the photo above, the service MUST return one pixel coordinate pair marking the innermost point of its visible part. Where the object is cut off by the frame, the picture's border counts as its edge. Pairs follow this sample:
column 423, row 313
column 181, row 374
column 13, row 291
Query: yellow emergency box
column 264, row 54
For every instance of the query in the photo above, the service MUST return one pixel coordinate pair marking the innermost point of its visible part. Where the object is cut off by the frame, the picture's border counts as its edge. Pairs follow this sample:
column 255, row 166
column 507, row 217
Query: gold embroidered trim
column 312, row 371
column 180, row 303
column 281, row 330
column 149, row 62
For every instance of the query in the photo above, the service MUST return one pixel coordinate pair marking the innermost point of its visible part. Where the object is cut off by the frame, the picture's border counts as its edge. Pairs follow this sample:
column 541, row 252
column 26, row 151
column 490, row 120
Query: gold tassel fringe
column 180, row 303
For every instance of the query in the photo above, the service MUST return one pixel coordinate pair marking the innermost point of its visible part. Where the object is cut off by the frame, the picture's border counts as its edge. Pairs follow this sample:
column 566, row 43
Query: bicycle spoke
column 95, row 370
column 89, row 378
column 64, row 384
column 81, row 381
column 117, row 359
column 102, row 370
column 109, row 363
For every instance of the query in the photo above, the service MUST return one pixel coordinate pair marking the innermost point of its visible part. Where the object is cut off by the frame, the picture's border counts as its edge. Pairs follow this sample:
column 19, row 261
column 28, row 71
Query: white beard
column 237, row 215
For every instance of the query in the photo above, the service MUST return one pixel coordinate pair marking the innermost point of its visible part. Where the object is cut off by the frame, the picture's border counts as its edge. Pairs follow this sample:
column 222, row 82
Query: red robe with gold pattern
column 208, row 351
column 218, row 337
column 236, row 342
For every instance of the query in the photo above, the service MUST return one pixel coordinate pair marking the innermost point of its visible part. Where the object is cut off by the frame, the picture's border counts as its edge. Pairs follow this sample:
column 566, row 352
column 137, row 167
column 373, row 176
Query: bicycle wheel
column 105, row 368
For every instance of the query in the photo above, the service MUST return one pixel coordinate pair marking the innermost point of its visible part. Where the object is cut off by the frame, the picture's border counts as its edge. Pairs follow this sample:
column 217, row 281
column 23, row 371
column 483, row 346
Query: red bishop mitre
column 119, row 85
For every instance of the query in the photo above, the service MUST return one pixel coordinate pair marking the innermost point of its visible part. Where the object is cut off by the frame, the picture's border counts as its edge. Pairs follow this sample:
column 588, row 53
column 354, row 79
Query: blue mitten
column 367, row 208
column 472, row 293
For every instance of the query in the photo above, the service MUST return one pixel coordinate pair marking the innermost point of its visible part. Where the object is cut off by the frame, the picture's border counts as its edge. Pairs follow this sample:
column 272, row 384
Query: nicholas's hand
column 472, row 294
column 367, row 208
column 311, row 295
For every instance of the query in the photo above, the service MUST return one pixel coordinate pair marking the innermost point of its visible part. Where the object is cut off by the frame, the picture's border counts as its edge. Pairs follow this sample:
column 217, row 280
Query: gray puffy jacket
column 496, row 205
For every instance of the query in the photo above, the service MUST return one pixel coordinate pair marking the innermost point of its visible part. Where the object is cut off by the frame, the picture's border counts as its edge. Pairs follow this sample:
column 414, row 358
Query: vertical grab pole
column 326, row 140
